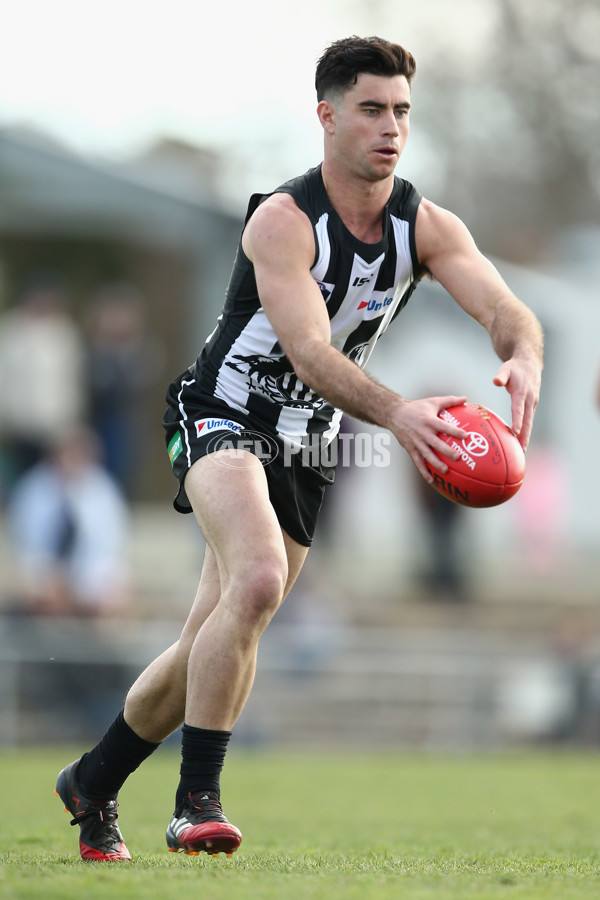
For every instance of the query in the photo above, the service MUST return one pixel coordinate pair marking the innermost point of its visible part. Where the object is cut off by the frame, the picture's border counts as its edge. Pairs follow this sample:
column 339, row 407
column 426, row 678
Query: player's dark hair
column 344, row 60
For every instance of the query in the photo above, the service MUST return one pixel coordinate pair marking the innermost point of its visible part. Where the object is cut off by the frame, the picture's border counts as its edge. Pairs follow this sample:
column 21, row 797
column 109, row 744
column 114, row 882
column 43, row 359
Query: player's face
column 368, row 126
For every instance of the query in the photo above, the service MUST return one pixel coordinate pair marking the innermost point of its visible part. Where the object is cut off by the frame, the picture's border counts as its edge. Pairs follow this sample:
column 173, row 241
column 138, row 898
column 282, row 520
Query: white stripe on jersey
column 257, row 338
column 188, row 451
column 403, row 266
column 319, row 270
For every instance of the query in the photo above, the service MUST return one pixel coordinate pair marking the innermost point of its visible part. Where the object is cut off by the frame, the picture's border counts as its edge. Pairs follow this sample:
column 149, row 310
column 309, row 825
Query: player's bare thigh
column 229, row 494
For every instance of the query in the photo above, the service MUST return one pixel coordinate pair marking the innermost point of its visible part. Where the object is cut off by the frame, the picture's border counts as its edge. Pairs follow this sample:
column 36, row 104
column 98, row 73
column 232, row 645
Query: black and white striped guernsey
column 364, row 287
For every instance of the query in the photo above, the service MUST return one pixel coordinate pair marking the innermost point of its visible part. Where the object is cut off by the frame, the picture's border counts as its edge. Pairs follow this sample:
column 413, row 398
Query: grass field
column 324, row 826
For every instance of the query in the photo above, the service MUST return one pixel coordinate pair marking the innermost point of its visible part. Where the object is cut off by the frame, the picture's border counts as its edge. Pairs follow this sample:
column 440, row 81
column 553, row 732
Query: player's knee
column 262, row 592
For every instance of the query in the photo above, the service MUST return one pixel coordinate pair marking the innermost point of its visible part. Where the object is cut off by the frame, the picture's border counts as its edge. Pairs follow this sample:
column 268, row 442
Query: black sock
column 102, row 772
column 202, row 757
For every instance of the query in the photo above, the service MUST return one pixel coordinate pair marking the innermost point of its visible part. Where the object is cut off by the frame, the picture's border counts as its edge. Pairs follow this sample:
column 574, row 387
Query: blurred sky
column 107, row 78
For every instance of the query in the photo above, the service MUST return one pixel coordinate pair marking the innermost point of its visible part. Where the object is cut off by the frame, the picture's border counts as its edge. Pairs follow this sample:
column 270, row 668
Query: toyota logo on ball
column 476, row 444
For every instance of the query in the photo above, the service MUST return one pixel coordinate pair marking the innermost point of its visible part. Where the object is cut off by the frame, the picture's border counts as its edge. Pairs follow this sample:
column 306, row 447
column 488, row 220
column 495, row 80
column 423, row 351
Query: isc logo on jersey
column 207, row 426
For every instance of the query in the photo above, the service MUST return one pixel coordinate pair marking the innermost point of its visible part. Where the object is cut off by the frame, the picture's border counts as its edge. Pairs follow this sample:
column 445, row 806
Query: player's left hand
column 522, row 379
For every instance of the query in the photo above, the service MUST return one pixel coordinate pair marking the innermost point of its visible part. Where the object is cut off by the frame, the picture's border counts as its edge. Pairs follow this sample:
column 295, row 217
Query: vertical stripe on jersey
column 256, row 339
column 320, row 268
column 183, row 421
column 404, row 262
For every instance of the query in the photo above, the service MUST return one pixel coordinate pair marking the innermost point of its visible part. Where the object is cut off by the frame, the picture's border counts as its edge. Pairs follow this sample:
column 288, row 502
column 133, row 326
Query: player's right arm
column 279, row 242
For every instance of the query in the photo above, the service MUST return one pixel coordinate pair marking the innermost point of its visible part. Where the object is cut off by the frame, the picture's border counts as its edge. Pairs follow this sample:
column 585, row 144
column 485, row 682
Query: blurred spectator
column 124, row 362
column 69, row 525
column 444, row 572
column 577, row 663
column 41, row 369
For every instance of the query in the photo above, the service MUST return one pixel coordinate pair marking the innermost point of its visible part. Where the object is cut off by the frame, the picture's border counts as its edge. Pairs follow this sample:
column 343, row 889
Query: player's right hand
column 417, row 426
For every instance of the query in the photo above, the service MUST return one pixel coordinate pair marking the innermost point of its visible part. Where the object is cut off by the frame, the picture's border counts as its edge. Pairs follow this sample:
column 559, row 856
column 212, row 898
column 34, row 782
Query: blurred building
column 156, row 223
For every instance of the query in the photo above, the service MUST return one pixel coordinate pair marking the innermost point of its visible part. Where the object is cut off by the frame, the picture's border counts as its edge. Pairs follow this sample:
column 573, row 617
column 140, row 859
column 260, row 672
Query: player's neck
column 358, row 203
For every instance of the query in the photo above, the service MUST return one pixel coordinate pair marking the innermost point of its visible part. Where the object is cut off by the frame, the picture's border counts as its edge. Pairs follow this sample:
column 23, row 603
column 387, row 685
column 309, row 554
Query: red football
column 491, row 465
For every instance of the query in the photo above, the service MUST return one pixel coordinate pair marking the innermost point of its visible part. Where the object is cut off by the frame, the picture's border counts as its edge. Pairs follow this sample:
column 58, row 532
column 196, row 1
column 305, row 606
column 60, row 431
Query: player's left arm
column 447, row 250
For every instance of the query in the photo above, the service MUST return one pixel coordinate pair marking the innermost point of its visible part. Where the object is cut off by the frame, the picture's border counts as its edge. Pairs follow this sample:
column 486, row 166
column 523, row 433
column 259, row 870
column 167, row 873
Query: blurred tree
column 518, row 124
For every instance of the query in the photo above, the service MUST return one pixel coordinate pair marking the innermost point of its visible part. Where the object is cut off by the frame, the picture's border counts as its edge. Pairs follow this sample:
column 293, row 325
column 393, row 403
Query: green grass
column 324, row 826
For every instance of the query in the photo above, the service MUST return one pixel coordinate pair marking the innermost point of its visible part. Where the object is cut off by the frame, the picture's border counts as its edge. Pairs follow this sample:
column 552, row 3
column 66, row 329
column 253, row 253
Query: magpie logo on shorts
column 208, row 426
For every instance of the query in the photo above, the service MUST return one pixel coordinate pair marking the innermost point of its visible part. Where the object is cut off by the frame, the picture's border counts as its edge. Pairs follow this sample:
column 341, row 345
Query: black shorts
column 197, row 424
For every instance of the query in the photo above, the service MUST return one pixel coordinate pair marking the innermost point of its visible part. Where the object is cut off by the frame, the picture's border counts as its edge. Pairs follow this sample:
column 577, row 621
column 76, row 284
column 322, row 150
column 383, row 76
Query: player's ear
column 326, row 114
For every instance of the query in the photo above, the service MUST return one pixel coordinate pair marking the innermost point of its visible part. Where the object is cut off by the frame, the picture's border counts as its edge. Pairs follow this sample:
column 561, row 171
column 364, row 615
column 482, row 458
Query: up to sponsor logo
column 374, row 305
column 207, row 426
